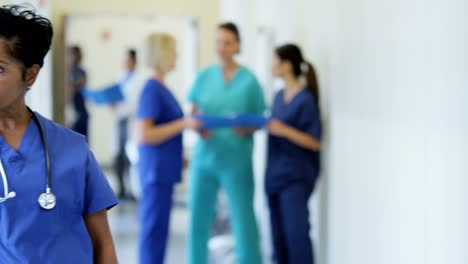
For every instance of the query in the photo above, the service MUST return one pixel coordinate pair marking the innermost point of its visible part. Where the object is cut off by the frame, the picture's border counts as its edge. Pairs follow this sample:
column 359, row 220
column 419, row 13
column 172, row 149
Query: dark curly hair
column 28, row 35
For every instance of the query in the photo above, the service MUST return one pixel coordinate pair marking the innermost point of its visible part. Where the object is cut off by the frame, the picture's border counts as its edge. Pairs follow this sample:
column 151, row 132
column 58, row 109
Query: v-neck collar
column 298, row 93
column 234, row 76
column 26, row 141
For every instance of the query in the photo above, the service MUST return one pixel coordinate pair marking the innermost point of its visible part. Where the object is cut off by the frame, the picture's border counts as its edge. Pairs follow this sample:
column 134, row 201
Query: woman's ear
column 30, row 74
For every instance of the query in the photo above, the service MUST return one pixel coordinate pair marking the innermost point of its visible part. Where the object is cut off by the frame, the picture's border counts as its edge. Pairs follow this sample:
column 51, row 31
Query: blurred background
column 394, row 86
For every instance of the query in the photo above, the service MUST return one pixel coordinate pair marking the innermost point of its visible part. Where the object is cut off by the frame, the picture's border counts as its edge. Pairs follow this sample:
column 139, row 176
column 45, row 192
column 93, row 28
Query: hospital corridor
column 233, row 131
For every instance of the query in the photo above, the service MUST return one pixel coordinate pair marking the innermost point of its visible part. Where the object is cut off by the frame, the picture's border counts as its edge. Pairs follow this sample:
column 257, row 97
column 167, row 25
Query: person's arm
column 98, row 198
column 113, row 107
column 256, row 105
column 101, row 238
column 245, row 131
column 149, row 133
column 79, row 82
column 205, row 134
column 300, row 138
column 150, row 111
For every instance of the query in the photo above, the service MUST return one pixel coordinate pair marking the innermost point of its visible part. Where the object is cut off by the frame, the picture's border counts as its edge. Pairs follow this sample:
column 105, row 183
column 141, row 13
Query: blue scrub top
column 213, row 96
column 288, row 162
column 30, row 234
column 160, row 163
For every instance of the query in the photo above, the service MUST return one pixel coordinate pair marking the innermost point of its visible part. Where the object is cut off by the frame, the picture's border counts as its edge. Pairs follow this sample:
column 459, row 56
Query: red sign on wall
column 41, row 3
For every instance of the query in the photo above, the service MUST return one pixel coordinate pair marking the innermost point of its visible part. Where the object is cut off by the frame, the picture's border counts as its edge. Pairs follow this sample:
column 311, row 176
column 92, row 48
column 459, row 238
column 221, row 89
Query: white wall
column 393, row 77
column 399, row 98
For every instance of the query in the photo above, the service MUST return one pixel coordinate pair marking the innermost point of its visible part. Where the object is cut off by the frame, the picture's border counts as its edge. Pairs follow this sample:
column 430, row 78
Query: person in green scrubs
column 223, row 158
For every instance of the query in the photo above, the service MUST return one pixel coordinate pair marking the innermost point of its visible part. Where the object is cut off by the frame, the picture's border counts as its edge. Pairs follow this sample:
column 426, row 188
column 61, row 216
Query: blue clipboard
column 110, row 95
column 251, row 120
column 241, row 120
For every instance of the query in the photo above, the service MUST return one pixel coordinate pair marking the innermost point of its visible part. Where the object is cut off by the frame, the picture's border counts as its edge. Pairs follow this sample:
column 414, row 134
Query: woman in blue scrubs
column 77, row 84
column 293, row 156
column 223, row 158
column 35, row 228
column 161, row 123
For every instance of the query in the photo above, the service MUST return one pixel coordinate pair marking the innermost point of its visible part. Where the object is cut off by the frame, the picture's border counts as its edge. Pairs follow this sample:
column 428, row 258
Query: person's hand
column 192, row 123
column 205, row 134
column 196, row 124
column 277, row 128
column 243, row 131
column 113, row 107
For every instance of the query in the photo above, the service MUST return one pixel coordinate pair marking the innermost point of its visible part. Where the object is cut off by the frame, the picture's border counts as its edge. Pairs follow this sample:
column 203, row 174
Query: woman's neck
column 229, row 68
column 229, row 65
column 292, row 84
column 13, row 122
column 159, row 76
column 16, row 113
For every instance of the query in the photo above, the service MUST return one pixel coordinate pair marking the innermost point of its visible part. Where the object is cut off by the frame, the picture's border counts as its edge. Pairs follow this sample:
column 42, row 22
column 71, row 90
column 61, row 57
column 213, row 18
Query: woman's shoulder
column 279, row 94
column 60, row 136
column 208, row 71
column 308, row 97
column 247, row 72
column 307, row 100
column 152, row 86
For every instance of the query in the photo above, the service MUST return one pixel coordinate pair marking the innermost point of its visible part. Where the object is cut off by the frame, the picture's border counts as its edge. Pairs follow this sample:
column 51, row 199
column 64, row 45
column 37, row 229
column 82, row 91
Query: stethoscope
column 46, row 200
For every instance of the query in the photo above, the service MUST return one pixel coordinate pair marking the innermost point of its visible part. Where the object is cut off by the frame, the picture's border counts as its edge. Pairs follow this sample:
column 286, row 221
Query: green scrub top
column 213, row 96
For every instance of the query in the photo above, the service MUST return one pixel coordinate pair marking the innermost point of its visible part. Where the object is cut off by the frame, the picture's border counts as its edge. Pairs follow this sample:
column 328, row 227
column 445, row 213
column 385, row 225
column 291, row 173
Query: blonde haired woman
column 160, row 125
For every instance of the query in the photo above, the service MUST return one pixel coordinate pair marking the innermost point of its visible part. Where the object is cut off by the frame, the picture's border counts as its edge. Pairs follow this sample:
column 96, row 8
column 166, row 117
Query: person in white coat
column 131, row 84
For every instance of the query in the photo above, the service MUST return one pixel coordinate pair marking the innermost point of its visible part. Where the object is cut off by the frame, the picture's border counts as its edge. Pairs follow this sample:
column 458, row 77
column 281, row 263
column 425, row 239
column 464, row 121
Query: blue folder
column 110, row 95
column 241, row 120
column 251, row 120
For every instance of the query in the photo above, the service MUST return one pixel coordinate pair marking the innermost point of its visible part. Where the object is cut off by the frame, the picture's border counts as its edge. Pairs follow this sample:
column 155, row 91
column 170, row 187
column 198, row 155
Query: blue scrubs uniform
column 224, row 160
column 160, row 167
column 290, row 178
column 81, row 123
column 30, row 234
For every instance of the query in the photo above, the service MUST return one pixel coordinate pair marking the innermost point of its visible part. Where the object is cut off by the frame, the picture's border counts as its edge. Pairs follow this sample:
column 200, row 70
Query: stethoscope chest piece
column 47, row 200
